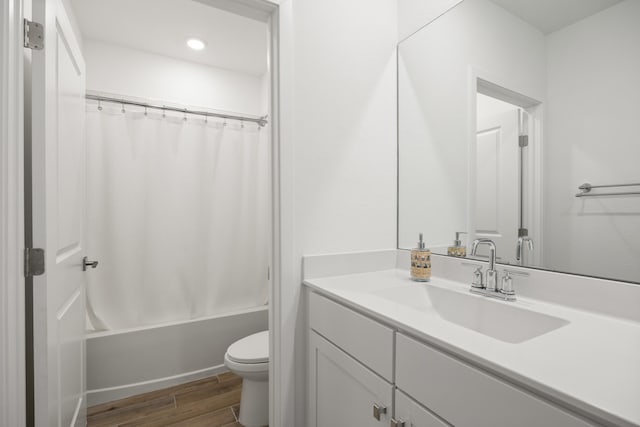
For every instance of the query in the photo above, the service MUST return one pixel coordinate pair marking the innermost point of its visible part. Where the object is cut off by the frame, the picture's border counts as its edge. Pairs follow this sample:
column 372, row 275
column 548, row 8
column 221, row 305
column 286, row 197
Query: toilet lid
column 251, row 349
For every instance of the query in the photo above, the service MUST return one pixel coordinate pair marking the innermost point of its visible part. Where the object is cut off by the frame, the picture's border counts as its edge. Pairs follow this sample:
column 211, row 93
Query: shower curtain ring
column 164, row 113
column 241, row 124
column 184, row 119
column 145, row 111
column 122, row 104
column 99, row 105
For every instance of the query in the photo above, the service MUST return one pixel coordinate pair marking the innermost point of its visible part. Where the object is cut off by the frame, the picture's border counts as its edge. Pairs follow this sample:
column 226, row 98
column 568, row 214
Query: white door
column 342, row 391
column 497, row 180
column 58, row 154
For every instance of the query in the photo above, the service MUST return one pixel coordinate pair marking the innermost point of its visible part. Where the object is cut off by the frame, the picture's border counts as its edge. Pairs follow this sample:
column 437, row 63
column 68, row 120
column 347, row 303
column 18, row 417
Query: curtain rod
column 261, row 121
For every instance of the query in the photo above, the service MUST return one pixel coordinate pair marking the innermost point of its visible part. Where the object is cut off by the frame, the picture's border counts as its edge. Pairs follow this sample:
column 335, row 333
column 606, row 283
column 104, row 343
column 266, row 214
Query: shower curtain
column 177, row 216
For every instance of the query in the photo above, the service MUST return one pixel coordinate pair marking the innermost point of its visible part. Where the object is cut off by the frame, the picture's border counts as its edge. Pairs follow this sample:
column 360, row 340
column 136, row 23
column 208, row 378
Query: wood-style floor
column 211, row 402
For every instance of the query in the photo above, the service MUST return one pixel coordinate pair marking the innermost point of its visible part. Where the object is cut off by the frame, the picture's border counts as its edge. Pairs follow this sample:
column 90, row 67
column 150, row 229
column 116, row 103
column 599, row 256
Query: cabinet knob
column 396, row 423
column 378, row 410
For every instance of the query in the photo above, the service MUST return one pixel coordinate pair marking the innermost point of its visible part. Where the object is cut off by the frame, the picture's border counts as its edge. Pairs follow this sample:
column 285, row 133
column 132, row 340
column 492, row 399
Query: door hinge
column 33, row 35
column 33, row 262
column 523, row 140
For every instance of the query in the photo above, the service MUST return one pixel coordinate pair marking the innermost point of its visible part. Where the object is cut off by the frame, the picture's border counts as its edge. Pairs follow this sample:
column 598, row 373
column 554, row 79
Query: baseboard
column 96, row 397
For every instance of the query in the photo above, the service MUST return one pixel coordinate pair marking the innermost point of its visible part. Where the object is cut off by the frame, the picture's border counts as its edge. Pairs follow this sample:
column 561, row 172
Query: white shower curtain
column 177, row 217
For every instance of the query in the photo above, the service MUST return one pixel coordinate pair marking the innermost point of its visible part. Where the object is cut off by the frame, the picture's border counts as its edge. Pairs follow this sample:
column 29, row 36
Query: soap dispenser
column 457, row 249
column 421, row 262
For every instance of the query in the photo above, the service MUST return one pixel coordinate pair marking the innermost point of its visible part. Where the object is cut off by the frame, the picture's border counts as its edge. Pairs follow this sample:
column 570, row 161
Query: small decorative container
column 457, row 249
column 421, row 262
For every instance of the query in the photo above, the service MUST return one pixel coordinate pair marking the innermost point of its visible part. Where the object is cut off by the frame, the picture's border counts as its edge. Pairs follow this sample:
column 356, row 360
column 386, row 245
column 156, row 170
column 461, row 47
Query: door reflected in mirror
column 505, row 110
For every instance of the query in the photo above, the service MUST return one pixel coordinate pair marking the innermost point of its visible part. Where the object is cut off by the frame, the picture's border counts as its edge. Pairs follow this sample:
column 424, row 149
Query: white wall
column 437, row 68
column 489, row 107
column 73, row 20
column 592, row 136
column 345, row 125
column 124, row 71
column 338, row 152
column 414, row 14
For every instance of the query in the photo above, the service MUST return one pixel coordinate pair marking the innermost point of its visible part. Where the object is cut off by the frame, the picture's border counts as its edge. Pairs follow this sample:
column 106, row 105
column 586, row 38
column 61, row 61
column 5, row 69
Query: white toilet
column 249, row 358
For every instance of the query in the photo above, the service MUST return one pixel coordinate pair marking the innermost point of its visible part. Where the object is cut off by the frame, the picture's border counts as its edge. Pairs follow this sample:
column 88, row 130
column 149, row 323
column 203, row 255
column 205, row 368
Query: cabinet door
column 408, row 413
column 342, row 391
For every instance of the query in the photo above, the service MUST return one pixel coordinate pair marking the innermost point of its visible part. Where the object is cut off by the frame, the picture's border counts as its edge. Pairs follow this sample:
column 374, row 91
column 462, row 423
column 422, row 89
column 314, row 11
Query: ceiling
column 163, row 26
column 551, row 15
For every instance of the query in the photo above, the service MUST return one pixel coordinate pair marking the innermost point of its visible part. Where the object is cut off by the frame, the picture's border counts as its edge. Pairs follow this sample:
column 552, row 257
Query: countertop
column 590, row 365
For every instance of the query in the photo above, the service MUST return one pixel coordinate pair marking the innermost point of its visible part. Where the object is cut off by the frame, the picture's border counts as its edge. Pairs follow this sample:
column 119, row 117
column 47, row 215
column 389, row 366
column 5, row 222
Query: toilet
column 249, row 359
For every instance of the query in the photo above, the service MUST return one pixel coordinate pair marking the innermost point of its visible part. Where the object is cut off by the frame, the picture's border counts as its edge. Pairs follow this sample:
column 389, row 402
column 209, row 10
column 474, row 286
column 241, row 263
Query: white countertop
column 591, row 364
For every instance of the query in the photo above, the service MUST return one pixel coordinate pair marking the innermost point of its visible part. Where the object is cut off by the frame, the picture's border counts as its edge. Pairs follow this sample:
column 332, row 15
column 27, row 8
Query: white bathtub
column 132, row 361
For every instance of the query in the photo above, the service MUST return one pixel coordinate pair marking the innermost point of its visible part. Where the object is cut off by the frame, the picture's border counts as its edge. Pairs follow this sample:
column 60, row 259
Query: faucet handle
column 477, row 278
column 507, row 284
column 519, row 247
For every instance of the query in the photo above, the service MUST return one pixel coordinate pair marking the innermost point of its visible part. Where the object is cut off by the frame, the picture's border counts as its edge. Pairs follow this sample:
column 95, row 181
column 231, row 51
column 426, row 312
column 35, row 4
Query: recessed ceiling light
column 195, row 44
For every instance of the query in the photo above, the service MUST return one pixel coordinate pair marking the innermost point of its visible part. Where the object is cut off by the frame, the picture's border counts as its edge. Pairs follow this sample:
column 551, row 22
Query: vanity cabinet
column 358, row 367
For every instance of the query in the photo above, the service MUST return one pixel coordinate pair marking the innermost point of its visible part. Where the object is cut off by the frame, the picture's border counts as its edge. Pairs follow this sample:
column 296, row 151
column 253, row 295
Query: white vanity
column 386, row 351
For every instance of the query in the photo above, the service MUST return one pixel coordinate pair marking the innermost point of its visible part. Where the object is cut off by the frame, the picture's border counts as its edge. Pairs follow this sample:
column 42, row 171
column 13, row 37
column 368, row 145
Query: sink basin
column 498, row 320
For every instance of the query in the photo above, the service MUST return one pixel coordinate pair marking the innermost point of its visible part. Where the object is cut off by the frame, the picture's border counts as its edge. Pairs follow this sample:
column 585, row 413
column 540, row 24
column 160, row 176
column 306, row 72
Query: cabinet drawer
column 413, row 415
column 468, row 397
column 366, row 340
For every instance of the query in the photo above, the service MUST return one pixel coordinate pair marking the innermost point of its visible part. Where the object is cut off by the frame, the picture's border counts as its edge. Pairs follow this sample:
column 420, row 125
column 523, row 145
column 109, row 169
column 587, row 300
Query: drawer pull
column 377, row 410
column 396, row 423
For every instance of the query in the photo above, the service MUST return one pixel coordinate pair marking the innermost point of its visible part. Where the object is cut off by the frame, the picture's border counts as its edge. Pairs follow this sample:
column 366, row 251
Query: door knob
column 86, row 263
column 378, row 410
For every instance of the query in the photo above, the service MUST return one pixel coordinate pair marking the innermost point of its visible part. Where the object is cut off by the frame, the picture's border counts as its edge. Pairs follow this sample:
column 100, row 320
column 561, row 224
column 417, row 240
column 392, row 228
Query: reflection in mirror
column 506, row 108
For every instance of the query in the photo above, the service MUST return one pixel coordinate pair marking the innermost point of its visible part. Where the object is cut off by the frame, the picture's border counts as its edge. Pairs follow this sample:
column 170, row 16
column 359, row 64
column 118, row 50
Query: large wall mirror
column 519, row 121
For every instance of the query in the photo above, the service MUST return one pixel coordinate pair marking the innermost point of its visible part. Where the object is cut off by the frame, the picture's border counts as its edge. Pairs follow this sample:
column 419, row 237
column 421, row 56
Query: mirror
column 518, row 122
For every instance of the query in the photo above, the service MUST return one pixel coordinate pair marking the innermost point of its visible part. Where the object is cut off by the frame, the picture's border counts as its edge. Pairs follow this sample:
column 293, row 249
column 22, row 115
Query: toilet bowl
column 249, row 359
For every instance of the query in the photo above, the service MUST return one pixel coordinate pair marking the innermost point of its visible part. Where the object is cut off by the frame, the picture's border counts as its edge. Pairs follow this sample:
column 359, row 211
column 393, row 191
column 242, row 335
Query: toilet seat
column 246, row 368
column 253, row 349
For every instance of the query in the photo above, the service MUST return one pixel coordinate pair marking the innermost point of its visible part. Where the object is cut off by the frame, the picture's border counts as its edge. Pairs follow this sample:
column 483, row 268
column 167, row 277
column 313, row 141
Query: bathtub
column 128, row 362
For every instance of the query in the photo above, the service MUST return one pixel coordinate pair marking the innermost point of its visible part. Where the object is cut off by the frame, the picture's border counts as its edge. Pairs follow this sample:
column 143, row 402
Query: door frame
column 12, row 281
column 505, row 89
column 12, row 223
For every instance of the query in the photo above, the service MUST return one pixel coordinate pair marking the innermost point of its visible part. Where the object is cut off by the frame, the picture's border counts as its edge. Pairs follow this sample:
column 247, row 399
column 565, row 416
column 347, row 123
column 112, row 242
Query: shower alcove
column 178, row 190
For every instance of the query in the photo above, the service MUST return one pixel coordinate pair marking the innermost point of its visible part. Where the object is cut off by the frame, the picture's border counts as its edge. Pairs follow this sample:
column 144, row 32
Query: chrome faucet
column 490, row 281
column 520, row 248
column 489, row 287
